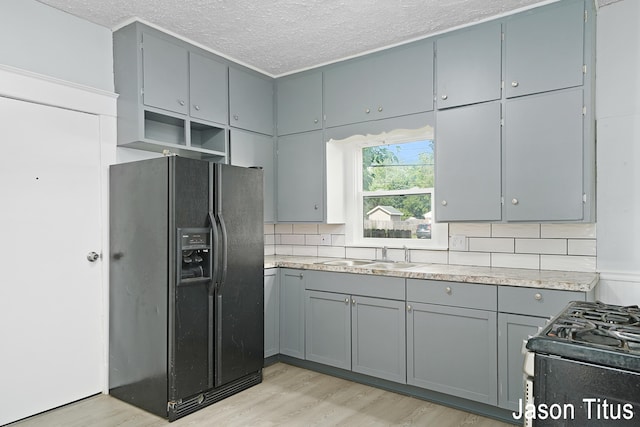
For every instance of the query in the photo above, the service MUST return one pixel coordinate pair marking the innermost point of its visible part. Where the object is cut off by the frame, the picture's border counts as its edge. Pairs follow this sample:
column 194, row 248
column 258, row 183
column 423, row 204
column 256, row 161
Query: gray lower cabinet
column 544, row 49
column 468, row 163
column 251, row 101
column 362, row 334
column 378, row 343
column 300, row 177
column 328, row 328
column 452, row 338
column 452, row 350
column 544, row 175
column 513, row 330
column 469, row 66
column 292, row 317
column 271, row 312
column 521, row 312
column 250, row 149
column 299, row 103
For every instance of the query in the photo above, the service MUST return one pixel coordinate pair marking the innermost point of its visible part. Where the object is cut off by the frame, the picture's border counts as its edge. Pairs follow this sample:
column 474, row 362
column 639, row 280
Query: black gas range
column 587, row 367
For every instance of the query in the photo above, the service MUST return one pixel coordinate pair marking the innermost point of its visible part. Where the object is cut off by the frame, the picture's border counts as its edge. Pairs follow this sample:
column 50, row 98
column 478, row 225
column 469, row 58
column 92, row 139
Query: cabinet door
column 292, row 313
column 250, row 101
column 208, row 89
column 512, row 331
column 299, row 100
column 402, row 81
column 300, row 177
column 328, row 326
column 468, row 163
column 165, row 75
column 347, row 92
column 544, row 49
column 544, row 162
column 452, row 350
column 250, row 149
column 271, row 313
column 378, row 338
column 469, row 66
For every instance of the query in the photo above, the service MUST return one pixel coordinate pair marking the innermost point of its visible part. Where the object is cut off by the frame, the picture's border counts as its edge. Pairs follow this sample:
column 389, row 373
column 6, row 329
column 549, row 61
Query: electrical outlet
column 458, row 242
column 325, row 239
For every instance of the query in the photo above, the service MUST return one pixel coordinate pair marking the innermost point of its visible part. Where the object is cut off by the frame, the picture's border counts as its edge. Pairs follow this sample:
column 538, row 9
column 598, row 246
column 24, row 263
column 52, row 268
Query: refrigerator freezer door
column 240, row 296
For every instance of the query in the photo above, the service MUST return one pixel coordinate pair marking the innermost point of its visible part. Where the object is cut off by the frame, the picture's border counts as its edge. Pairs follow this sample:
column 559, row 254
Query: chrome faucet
column 407, row 254
column 384, row 253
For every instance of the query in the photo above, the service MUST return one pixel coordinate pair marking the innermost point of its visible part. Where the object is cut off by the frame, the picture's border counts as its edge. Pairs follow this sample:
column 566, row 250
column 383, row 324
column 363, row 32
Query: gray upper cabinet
column 469, row 66
column 389, row 84
column 251, row 149
column 300, row 177
column 544, row 49
column 299, row 103
column 468, row 178
column 544, row 157
column 250, row 101
column 208, row 89
column 165, row 74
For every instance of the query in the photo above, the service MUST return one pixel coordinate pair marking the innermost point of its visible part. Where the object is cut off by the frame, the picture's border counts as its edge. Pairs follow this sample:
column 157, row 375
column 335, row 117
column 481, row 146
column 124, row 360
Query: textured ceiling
column 279, row 37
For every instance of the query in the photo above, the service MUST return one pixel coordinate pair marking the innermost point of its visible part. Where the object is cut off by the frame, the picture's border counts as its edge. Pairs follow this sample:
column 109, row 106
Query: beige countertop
column 544, row 279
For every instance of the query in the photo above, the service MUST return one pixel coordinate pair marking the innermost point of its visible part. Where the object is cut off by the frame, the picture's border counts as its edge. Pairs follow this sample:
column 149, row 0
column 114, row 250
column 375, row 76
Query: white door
column 50, row 294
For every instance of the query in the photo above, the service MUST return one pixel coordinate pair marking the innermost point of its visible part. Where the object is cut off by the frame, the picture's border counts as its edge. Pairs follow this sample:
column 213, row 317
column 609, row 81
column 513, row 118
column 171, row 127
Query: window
column 397, row 188
column 389, row 185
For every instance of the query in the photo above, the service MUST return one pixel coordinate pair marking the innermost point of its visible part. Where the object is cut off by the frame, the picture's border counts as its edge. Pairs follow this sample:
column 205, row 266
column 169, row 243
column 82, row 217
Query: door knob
column 92, row 256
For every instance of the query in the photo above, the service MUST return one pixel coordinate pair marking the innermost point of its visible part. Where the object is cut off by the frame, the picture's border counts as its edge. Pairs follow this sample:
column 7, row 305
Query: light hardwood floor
column 288, row 396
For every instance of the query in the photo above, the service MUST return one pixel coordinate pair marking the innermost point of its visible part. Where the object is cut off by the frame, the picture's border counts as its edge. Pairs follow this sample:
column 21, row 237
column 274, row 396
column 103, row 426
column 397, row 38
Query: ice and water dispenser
column 194, row 254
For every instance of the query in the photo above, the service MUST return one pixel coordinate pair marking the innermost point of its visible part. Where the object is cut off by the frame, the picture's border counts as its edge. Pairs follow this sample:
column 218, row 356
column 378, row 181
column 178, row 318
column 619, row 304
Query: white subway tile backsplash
column 269, row 250
column 331, row 228
column 469, row 230
column 582, row 247
column 269, row 228
column 568, row 231
column 269, row 239
column 284, row 250
column 312, row 240
column 515, row 230
column 515, row 261
column 305, row 251
column 361, row 253
column 284, row 229
column 305, row 228
column 568, row 263
column 481, row 244
column 292, row 239
column 337, row 240
column 541, row 246
column 432, row 257
column 481, row 259
column 332, row 251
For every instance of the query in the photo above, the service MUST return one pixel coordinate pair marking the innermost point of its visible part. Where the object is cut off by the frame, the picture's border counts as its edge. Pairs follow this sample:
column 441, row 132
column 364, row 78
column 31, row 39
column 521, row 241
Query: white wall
column 618, row 151
column 44, row 40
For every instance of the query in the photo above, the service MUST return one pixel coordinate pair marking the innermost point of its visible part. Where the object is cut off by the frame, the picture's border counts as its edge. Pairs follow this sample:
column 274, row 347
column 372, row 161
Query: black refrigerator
column 186, row 283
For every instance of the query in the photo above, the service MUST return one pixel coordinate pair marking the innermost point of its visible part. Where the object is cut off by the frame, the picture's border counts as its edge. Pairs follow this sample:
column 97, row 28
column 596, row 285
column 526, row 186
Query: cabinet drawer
column 355, row 284
column 469, row 295
column 534, row 301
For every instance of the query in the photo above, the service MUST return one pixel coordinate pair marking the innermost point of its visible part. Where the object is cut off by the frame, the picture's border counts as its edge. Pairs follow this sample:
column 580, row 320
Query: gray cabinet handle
column 448, row 290
column 514, row 201
column 443, row 203
column 409, row 308
column 514, row 84
column 197, row 107
column 301, row 276
column 346, row 301
column 444, row 97
column 367, row 111
column 379, row 109
column 316, row 207
column 353, row 301
column 538, row 296
column 235, row 117
column 315, row 120
column 181, row 102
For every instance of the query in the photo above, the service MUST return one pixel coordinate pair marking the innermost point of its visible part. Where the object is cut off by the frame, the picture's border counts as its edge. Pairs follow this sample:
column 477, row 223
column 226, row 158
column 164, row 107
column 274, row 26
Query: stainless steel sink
column 390, row 265
column 346, row 262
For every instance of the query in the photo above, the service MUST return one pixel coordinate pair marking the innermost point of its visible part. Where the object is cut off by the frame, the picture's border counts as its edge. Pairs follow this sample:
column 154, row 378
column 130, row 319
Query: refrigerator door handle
column 223, row 232
column 213, row 259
